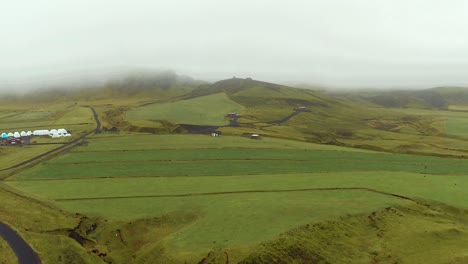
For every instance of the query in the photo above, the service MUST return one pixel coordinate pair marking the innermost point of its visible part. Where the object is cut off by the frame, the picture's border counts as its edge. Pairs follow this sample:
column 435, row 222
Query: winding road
column 24, row 253
column 76, row 140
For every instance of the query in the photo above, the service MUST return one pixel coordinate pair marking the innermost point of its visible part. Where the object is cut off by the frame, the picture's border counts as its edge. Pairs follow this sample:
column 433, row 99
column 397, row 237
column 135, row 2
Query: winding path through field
column 45, row 154
column 24, row 253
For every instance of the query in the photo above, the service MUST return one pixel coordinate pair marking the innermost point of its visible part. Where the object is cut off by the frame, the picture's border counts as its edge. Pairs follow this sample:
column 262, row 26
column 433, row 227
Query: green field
column 221, row 184
column 346, row 182
column 206, row 110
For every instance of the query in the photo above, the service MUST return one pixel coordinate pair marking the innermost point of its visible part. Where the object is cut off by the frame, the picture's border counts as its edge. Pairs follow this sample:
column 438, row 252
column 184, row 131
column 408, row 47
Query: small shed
column 232, row 115
column 215, row 133
column 255, row 136
column 301, row 108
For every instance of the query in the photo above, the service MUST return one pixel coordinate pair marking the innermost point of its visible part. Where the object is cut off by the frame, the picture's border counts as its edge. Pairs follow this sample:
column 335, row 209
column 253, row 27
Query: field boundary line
column 262, row 159
column 228, row 175
column 239, row 192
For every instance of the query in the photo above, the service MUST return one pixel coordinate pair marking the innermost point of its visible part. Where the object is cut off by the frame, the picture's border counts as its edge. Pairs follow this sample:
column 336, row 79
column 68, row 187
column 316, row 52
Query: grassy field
column 129, row 197
column 206, row 110
column 233, row 192
column 75, row 119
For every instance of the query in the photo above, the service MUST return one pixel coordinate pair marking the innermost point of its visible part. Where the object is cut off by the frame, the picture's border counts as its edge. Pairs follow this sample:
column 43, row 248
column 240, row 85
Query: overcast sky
column 347, row 43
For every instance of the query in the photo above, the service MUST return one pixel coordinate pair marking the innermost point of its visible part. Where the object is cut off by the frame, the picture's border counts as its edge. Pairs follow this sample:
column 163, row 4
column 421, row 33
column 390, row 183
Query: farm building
column 232, row 115
column 255, row 136
column 215, row 133
column 12, row 141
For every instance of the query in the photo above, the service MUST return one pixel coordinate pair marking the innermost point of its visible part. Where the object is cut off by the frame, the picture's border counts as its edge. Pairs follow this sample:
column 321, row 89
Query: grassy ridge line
column 246, row 191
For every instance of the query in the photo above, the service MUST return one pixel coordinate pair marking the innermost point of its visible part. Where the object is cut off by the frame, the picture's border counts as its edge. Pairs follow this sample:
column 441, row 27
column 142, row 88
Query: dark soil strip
column 240, row 192
column 286, row 119
column 98, row 127
column 23, row 251
column 196, row 129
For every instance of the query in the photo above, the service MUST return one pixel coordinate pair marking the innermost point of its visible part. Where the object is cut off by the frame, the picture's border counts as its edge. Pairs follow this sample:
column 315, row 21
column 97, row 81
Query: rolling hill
column 384, row 184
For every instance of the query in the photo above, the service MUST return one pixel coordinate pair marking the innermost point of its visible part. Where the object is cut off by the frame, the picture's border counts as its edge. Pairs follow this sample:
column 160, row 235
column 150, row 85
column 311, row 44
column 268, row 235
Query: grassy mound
column 394, row 235
column 206, row 110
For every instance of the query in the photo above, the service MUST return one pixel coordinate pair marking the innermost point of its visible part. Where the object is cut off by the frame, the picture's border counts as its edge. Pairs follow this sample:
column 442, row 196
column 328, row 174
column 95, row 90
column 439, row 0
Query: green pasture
column 457, row 126
column 238, row 220
column 450, row 189
column 201, row 164
column 206, row 110
column 129, row 142
column 12, row 155
column 262, row 195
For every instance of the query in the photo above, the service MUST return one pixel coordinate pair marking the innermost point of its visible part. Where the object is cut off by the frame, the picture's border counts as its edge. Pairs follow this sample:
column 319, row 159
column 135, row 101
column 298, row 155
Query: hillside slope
column 271, row 110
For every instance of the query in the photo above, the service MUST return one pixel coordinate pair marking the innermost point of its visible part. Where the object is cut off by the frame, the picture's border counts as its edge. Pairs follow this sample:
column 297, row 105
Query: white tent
column 67, row 135
column 53, row 131
column 41, row 132
column 62, row 131
column 29, row 133
column 17, row 134
column 10, row 134
column 23, row 134
column 56, row 135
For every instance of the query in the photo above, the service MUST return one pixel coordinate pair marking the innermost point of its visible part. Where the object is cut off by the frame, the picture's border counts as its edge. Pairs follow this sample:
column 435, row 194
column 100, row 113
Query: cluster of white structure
column 53, row 133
